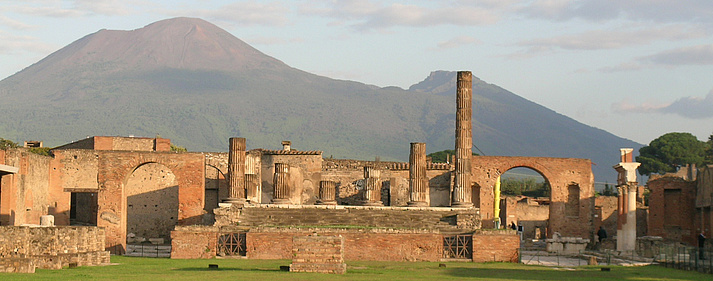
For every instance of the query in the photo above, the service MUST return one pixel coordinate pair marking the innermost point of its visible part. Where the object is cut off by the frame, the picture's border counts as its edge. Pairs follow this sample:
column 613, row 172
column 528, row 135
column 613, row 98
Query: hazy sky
column 636, row 68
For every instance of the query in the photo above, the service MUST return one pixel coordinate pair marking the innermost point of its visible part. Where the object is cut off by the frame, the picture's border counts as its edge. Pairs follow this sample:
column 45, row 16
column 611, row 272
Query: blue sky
column 637, row 68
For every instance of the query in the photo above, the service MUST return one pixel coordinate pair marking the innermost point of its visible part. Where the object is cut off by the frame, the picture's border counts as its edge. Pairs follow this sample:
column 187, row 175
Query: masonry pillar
column 464, row 141
column 327, row 193
column 281, row 183
column 626, row 186
column 372, row 187
column 236, row 171
column 417, row 180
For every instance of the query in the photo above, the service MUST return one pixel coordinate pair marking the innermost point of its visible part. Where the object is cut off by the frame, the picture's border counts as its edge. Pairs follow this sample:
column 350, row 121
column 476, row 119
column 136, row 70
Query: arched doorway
column 525, row 201
column 151, row 202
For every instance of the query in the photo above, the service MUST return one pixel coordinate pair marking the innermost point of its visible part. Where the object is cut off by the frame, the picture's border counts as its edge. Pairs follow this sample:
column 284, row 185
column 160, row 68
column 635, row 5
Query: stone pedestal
column 281, row 183
column 236, row 171
column 464, row 141
column 327, row 193
column 47, row 220
column 372, row 187
column 418, row 182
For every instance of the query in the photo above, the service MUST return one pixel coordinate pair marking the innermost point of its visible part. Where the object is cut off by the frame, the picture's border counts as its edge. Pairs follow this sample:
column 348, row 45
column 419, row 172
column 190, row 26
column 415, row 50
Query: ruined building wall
column 151, row 201
column 528, row 213
column 28, row 194
column 349, row 176
column 671, row 209
column 704, row 200
column 305, row 174
column 120, row 143
column 607, row 214
column 572, row 190
column 216, row 184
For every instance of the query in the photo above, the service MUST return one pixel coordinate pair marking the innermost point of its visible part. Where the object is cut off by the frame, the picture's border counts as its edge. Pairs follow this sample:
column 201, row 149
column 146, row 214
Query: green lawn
column 135, row 269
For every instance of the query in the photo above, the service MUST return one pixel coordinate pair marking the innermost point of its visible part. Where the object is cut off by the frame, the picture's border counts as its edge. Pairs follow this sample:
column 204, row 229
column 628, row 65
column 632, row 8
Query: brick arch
column 561, row 173
column 115, row 168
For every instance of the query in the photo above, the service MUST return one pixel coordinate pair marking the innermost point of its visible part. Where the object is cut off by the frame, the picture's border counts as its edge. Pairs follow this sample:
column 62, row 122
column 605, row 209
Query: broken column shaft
column 418, row 182
column 372, row 187
column 236, row 171
column 464, row 141
column 281, row 183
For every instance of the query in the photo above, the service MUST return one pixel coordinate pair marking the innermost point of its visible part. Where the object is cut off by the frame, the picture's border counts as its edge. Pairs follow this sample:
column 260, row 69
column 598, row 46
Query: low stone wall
column 54, row 247
column 323, row 254
column 496, row 245
column 448, row 219
column 17, row 265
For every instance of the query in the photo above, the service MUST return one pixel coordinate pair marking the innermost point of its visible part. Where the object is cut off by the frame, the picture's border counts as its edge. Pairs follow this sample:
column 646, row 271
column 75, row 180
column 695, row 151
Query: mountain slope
column 190, row 81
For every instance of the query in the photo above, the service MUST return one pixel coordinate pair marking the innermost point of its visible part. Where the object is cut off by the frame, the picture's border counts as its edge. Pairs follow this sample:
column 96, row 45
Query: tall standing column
column 627, row 187
column 236, row 171
column 464, row 141
column 327, row 193
column 372, row 187
column 281, row 183
column 418, row 182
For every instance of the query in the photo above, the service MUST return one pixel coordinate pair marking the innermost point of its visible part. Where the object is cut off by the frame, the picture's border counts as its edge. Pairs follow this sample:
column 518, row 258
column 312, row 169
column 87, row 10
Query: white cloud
column 688, row 107
column 614, row 39
column 14, row 23
column 372, row 15
column 660, row 11
column 13, row 44
column 457, row 42
column 103, row 7
column 693, row 55
column 249, row 13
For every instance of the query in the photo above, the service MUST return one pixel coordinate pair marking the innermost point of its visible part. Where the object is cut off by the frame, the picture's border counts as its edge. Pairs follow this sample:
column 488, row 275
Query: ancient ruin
column 256, row 203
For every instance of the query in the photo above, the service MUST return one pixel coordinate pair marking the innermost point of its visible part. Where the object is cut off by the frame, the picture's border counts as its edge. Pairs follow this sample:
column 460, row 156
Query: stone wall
column 452, row 219
column 496, row 245
column 305, row 174
column 671, row 209
column 54, row 247
column 349, row 176
column 527, row 212
column 607, row 215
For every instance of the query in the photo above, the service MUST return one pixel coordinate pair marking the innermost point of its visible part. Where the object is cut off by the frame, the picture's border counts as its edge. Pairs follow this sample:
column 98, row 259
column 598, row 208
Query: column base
column 280, row 201
column 462, row 205
column 372, row 203
column 326, row 202
column 239, row 201
column 417, row 204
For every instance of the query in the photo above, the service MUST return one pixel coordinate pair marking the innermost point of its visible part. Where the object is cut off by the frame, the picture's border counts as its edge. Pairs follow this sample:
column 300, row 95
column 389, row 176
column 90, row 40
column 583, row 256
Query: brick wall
column 671, row 209
column 323, row 254
column 496, row 245
column 361, row 244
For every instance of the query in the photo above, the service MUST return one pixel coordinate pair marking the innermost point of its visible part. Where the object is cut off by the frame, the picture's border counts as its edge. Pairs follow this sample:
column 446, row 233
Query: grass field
column 155, row 269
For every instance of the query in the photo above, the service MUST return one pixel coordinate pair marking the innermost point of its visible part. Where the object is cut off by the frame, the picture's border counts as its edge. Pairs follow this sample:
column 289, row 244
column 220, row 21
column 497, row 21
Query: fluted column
column 417, row 180
column 464, row 140
column 281, row 182
column 236, row 171
column 372, row 187
column 327, row 193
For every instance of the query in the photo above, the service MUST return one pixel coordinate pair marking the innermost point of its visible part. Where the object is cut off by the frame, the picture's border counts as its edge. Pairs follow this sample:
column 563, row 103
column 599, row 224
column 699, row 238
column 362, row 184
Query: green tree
column 5, row 144
column 443, row 155
column 176, row 148
column 670, row 151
